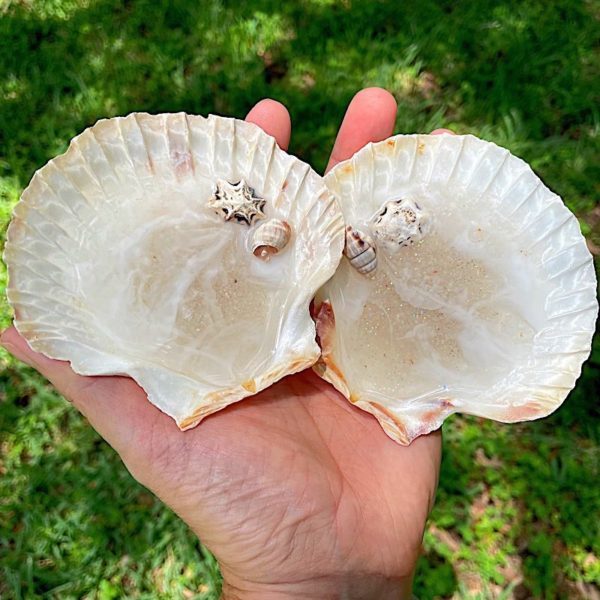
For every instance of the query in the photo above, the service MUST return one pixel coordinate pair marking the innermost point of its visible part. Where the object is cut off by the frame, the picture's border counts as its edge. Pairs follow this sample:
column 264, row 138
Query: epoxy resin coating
column 132, row 254
column 483, row 299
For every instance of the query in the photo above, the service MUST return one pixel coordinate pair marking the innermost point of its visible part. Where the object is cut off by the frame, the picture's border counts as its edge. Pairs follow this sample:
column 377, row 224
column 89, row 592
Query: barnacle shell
column 490, row 312
column 360, row 251
column 270, row 238
column 121, row 261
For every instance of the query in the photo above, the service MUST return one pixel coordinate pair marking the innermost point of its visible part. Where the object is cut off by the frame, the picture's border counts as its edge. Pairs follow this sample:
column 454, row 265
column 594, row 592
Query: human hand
column 298, row 493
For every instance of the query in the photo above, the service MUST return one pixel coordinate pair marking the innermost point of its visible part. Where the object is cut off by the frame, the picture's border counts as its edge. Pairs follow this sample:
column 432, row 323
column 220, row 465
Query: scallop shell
column 121, row 260
column 490, row 312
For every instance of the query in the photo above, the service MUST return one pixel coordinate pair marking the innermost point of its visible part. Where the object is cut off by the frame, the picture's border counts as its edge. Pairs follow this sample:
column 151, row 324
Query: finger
column 370, row 117
column 442, row 130
column 115, row 406
column 274, row 118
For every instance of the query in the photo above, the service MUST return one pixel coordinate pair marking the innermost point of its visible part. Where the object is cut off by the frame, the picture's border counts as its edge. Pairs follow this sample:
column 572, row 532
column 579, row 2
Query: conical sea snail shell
column 124, row 257
column 360, row 250
column 270, row 238
column 490, row 311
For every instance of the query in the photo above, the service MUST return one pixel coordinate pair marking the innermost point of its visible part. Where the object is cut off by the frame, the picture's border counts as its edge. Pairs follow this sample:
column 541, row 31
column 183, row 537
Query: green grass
column 517, row 510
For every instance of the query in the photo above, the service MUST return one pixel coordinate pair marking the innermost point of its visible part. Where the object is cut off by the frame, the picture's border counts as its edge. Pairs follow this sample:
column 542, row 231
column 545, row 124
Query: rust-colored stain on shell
column 389, row 146
column 250, row 386
column 421, row 148
column 392, row 417
column 334, row 369
column 432, row 416
column 347, row 169
column 325, row 324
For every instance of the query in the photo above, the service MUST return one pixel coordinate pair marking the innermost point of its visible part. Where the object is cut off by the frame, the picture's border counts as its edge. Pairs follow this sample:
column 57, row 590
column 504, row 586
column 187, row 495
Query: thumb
column 115, row 406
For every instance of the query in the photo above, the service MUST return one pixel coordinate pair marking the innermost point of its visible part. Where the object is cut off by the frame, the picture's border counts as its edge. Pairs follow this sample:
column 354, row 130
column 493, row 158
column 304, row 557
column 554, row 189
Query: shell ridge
column 575, row 247
column 50, row 330
column 554, row 334
column 228, row 126
column 372, row 171
column 144, row 140
column 333, row 227
column 36, row 259
column 580, row 261
column 270, row 163
column 528, row 195
column 457, row 158
column 252, row 167
column 178, row 142
column 524, row 173
column 234, row 150
column 188, row 141
column 496, row 172
column 564, row 313
column 89, row 173
column 45, row 276
column 525, row 200
column 53, row 336
column 213, row 122
column 100, row 145
column 279, row 198
column 59, row 201
column 414, row 154
column 34, row 232
column 53, row 243
column 54, row 299
column 547, row 232
column 425, row 157
column 469, row 184
column 126, row 147
column 302, row 183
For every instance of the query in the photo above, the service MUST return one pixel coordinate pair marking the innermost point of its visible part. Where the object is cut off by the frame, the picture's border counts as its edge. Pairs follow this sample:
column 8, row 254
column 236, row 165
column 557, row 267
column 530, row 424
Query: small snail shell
column 360, row 251
column 270, row 238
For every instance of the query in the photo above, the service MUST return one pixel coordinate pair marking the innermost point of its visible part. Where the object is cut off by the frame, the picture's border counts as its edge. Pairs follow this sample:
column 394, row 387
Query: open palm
column 297, row 492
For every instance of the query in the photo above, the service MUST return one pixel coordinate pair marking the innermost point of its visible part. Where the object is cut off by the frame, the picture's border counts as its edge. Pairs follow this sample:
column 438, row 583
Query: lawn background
column 518, row 506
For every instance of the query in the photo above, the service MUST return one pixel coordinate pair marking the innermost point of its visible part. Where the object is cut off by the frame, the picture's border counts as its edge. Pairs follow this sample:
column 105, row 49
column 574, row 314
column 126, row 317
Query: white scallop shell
column 490, row 313
column 118, row 264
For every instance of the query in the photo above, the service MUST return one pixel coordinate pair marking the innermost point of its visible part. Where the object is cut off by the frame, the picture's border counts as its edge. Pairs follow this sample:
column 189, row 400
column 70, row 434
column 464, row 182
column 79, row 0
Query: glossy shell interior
column 118, row 264
column 491, row 312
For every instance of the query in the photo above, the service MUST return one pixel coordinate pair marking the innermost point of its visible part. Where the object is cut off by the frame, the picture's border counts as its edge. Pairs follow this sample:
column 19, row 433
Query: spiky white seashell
column 117, row 263
column 360, row 250
column 270, row 238
column 491, row 313
column 237, row 201
column 399, row 223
